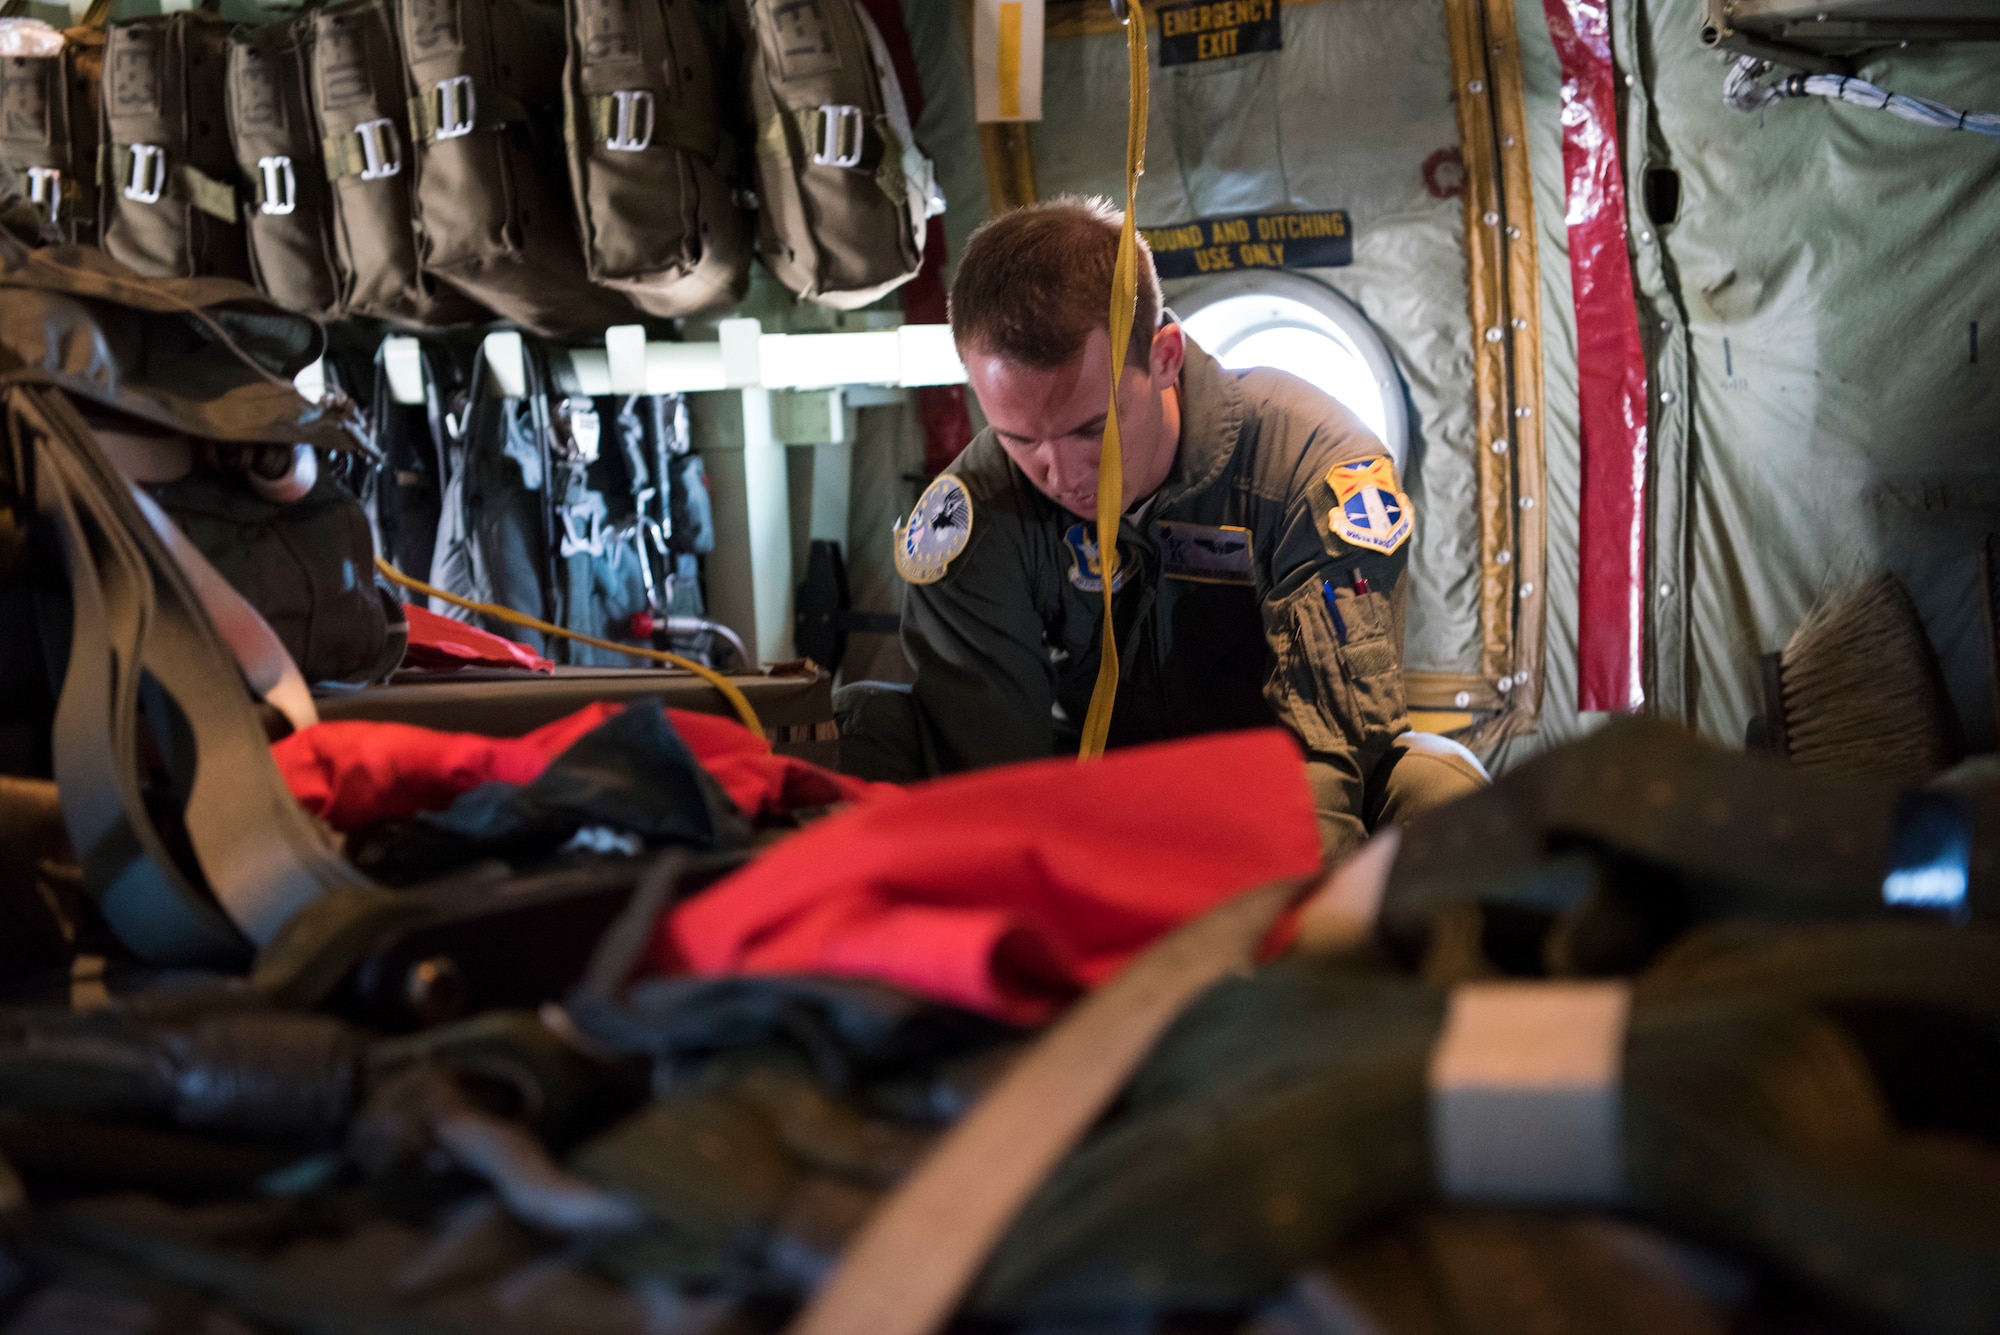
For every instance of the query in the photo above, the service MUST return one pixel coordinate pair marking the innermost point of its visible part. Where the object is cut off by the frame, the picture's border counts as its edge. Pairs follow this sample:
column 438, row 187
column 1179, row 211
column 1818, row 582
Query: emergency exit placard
column 1253, row 241
column 1192, row 30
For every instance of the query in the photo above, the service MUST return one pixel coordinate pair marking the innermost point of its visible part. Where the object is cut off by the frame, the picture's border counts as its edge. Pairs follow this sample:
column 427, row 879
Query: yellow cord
column 737, row 700
column 1111, row 464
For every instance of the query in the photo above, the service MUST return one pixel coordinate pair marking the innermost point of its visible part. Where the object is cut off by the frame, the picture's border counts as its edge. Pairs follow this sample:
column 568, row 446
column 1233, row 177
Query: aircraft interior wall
column 1819, row 407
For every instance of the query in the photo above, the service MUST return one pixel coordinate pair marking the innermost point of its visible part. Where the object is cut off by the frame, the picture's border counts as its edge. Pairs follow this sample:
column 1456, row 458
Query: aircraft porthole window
column 1293, row 324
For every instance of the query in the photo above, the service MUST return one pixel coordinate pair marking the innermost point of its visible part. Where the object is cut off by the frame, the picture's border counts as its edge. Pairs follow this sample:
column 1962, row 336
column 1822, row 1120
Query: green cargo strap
column 673, row 127
column 880, row 152
column 492, row 110
column 188, row 184
column 343, row 155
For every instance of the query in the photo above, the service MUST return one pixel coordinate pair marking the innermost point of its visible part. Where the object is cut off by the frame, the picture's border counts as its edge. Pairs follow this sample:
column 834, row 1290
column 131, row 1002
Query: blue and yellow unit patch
column 1085, row 570
column 1369, row 509
column 936, row 532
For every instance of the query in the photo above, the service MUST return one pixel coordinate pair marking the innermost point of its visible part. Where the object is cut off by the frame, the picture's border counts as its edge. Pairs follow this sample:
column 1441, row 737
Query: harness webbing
column 1111, row 464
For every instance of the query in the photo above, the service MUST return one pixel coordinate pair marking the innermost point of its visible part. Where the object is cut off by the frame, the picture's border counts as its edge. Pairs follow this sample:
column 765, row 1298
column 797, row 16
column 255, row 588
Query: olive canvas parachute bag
column 843, row 191
column 484, row 82
column 48, row 116
column 362, row 125
column 648, row 157
column 288, row 216
column 167, row 189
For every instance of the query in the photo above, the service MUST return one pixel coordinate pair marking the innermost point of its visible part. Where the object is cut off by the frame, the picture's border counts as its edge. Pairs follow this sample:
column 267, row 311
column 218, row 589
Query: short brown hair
column 1035, row 281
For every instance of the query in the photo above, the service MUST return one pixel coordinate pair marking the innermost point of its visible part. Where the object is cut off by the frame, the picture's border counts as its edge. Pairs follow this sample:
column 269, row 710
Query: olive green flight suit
column 1005, row 642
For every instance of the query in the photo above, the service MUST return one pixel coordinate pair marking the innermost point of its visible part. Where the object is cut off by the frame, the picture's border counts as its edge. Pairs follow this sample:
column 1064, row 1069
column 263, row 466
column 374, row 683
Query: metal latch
column 149, row 174
column 634, row 109
column 841, row 135
column 590, row 514
column 457, row 107
column 281, row 186
column 381, row 150
column 45, row 188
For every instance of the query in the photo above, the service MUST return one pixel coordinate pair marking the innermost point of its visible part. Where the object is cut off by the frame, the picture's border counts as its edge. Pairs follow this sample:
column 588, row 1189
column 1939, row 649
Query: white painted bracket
column 507, row 362
column 743, row 356
column 625, row 358
column 808, row 417
column 403, row 363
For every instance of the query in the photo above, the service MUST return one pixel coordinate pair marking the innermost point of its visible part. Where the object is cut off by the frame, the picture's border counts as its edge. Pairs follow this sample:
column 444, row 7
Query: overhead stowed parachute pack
column 48, row 117
column 288, row 217
column 843, row 189
column 648, row 157
column 484, row 82
column 167, row 195
column 362, row 122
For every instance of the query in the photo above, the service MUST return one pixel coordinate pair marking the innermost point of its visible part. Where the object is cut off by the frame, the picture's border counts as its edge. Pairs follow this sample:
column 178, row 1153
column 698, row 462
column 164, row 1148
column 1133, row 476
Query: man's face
column 1051, row 422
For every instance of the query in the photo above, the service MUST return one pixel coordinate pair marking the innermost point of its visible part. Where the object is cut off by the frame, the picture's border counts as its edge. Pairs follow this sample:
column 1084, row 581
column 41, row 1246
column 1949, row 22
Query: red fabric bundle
column 1010, row 890
column 758, row 782
column 353, row 774
column 440, row 644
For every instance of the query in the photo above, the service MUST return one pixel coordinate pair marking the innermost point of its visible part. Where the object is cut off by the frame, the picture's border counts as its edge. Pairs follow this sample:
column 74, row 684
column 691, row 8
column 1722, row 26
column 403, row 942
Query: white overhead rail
column 742, row 356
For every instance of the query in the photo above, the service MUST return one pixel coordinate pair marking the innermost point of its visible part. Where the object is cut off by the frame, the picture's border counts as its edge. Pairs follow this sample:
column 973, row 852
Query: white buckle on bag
column 149, row 174
column 635, row 107
column 457, row 107
column 381, row 151
column 45, row 189
column 842, row 135
column 281, row 186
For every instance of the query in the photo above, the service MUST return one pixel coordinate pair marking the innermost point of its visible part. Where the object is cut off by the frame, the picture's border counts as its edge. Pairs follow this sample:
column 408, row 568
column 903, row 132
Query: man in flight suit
column 1261, row 554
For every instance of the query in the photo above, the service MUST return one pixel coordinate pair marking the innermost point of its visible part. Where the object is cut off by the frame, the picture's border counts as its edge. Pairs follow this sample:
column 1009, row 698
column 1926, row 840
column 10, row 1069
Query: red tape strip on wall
column 1611, row 367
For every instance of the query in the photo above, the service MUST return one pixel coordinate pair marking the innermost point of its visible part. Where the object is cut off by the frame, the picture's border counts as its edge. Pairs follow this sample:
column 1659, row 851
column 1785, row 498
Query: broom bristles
column 1863, row 694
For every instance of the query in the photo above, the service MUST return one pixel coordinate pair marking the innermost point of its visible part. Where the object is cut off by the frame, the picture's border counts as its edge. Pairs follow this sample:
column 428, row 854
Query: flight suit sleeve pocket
column 1372, row 660
column 1310, row 692
column 1339, row 681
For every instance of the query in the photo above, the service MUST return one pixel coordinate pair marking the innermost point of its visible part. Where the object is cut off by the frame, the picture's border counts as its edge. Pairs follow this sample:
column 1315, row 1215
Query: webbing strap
column 186, row 183
column 493, row 110
column 923, row 1247
column 126, row 867
column 798, row 138
column 1111, row 463
column 674, row 127
column 137, row 620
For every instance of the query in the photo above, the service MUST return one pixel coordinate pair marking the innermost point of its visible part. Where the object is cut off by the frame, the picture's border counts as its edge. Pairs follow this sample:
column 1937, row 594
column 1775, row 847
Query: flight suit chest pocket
column 1340, row 667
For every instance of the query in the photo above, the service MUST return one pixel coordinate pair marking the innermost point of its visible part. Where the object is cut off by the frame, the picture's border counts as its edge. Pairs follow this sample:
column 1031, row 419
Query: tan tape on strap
column 1524, row 1100
column 188, row 184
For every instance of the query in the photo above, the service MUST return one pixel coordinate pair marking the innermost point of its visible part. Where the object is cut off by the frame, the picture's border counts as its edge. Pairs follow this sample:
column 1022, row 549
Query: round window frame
column 1337, row 310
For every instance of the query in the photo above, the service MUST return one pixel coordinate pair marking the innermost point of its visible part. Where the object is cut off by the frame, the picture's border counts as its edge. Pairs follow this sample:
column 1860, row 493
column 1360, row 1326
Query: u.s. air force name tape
column 1524, row 1092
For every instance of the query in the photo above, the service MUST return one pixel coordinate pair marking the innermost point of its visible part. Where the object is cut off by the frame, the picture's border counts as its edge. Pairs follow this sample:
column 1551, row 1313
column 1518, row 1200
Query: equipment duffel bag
column 48, row 117
column 648, row 158
column 363, row 126
column 167, row 192
column 484, row 82
column 289, row 218
column 844, row 191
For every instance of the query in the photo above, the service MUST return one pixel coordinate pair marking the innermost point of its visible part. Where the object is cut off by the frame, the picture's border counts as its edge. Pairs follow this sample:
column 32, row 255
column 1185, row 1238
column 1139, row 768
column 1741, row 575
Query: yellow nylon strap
column 1111, row 464
column 737, row 700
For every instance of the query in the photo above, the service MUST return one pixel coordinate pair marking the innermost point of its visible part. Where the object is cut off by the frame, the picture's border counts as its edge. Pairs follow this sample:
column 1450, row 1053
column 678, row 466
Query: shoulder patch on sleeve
column 936, row 532
column 1369, row 509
